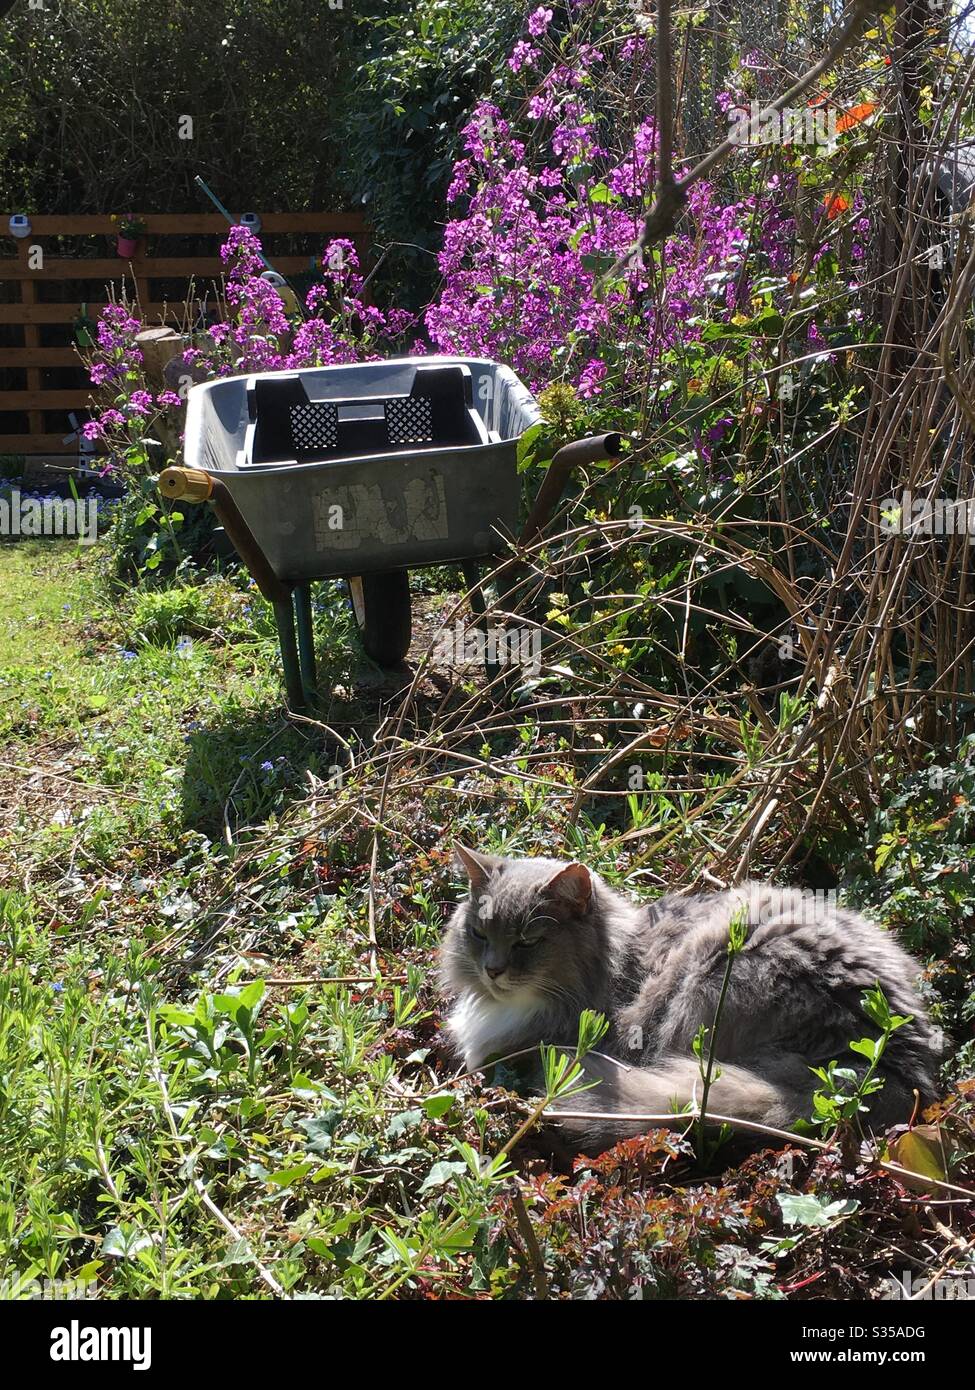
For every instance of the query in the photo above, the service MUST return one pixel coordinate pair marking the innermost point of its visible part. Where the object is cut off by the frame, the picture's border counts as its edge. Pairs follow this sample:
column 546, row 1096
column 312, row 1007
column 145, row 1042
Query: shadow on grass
column 245, row 766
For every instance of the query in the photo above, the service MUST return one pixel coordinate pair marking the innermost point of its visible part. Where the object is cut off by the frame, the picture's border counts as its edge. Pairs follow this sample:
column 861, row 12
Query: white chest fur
column 483, row 1027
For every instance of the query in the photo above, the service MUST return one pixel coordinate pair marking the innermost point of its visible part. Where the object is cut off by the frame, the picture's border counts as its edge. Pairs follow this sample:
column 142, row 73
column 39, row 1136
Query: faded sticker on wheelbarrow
column 346, row 518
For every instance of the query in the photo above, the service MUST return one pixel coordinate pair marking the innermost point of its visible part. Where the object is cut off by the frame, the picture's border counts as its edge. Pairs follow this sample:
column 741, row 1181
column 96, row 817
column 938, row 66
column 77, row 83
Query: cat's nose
column 495, row 970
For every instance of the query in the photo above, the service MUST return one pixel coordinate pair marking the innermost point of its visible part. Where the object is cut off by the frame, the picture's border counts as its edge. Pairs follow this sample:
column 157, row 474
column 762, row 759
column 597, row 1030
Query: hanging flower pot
column 130, row 229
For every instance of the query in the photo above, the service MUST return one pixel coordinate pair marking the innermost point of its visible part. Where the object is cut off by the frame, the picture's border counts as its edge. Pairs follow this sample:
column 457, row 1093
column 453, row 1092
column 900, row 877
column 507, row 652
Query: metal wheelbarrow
column 362, row 473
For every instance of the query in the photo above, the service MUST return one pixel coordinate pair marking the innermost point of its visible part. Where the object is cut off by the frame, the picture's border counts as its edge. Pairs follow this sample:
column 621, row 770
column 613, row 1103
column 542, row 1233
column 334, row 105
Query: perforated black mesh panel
column 315, row 426
column 409, row 421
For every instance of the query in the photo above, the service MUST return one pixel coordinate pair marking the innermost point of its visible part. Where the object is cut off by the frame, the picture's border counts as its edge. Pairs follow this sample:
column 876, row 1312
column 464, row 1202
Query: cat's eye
column 477, row 935
column 529, row 945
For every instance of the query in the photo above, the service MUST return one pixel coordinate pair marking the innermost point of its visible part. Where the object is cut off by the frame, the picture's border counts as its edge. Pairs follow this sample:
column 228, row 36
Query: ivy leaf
column 436, row 1106
column 284, row 1177
column 441, row 1174
column 805, row 1209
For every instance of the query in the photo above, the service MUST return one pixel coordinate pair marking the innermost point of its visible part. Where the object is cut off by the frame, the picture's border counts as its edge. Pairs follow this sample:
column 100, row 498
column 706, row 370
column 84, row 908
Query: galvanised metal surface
column 349, row 515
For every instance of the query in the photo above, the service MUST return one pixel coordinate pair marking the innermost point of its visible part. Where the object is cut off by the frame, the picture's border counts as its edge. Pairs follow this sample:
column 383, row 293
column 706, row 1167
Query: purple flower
column 523, row 55
column 140, row 402
column 539, row 21
column 719, row 429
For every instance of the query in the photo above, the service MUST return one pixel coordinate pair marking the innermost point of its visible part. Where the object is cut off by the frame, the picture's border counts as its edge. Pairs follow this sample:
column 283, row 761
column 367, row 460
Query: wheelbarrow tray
column 356, row 512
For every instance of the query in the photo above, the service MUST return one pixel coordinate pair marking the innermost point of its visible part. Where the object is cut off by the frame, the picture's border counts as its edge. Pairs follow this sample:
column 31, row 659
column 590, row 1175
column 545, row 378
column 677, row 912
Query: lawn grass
column 140, row 1076
column 221, row 1073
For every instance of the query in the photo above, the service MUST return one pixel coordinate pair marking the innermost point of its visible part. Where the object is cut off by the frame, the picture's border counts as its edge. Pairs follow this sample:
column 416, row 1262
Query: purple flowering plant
column 545, row 206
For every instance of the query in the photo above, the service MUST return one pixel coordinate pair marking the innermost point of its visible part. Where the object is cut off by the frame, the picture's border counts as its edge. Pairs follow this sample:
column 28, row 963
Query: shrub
column 160, row 617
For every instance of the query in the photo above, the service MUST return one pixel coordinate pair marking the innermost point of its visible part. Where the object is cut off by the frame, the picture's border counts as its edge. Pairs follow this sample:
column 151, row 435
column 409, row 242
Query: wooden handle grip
column 188, row 483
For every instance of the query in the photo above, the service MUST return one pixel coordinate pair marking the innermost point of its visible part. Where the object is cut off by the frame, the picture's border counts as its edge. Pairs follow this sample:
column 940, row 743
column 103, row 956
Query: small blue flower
column 58, row 987
column 267, row 767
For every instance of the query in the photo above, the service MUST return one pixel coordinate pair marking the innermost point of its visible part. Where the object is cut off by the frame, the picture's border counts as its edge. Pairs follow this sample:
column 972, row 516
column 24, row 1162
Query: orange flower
column 834, row 204
column 855, row 115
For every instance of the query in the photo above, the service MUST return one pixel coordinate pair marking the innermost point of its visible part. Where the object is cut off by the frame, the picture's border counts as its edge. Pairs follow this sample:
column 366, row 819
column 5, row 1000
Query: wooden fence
column 45, row 320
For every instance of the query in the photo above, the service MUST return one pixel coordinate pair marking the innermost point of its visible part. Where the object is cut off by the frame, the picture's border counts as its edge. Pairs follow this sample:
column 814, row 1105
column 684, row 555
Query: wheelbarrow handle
column 581, row 451
column 189, row 484
column 193, row 485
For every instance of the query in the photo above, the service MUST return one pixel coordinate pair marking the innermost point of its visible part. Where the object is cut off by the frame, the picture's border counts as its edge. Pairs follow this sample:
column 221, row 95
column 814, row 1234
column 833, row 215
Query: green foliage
column 93, row 93
column 160, row 617
column 152, row 539
column 705, row 1038
column 844, row 1092
column 420, row 69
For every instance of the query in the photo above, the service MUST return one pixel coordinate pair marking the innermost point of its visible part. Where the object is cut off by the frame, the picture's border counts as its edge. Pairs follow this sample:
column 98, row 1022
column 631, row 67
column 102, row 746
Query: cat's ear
column 477, row 867
column 570, row 890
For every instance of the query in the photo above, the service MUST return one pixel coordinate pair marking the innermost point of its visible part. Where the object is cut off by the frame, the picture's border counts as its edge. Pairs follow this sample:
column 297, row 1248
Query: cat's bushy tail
column 667, row 1087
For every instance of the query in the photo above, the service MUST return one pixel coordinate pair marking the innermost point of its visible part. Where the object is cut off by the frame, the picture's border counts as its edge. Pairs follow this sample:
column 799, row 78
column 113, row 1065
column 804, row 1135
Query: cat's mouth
column 497, row 988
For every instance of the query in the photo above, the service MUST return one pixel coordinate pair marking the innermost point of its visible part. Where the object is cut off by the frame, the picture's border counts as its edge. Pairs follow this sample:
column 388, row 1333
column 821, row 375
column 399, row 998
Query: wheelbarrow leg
column 306, row 641
column 472, row 576
column 284, row 616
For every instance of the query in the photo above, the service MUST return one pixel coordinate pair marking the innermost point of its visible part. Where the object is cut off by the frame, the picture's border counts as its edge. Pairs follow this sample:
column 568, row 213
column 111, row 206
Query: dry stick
column 281, row 982
column 753, row 1127
column 893, row 593
column 75, row 781
column 535, row 1258
column 961, row 1245
column 953, row 322
column 384, row 791
column 332, row 733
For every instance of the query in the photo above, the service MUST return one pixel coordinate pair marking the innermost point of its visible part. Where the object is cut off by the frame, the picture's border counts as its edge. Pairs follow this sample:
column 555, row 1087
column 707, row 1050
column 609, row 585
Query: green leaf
column 237, row 1253
column 251, row 995
column 805, row 1209
column 920, row 1150
column 599, row 262
column 441, row 1174
column 125, row 1241
column 171, row 1013
column 319, row 1129
column 284, row 1177
column 526, row 441
column 403, row 1123
column 436, row 1106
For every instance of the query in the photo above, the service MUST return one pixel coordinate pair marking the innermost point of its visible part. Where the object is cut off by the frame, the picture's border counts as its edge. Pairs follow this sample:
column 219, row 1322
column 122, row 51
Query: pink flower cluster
column 258, row 335
column 536, row 269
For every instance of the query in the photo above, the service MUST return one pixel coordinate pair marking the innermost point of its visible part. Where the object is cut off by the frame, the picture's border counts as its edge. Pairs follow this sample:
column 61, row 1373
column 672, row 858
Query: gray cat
column 539, row 940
